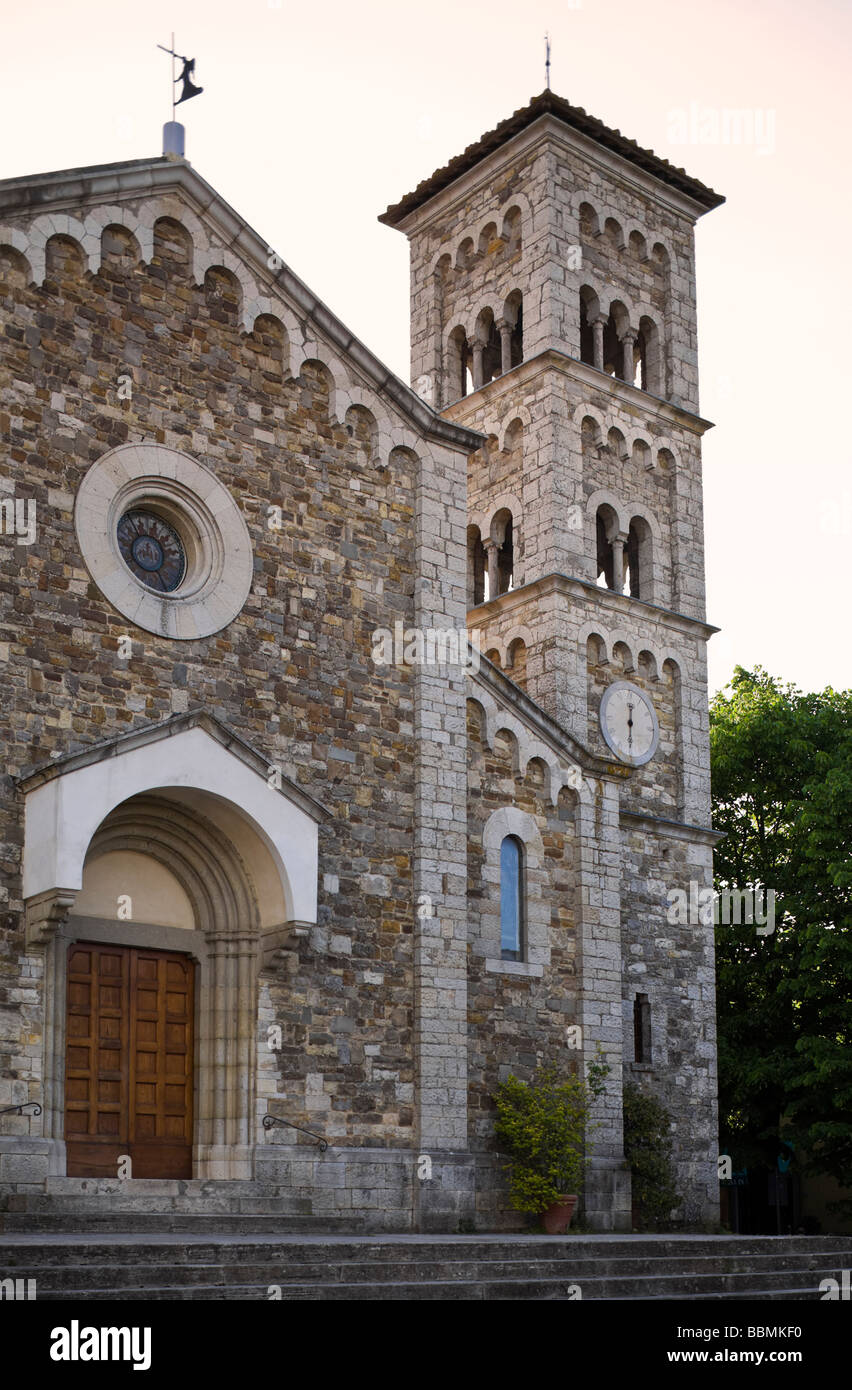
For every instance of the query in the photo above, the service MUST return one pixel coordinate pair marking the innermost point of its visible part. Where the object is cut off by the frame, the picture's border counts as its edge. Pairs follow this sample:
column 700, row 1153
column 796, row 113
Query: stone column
column 478, row 364
column 628, row 341
column 439, row 907
column 598, row 915
column 491, row 549
column 618, row 544
column 598, row 326
column 505, row 345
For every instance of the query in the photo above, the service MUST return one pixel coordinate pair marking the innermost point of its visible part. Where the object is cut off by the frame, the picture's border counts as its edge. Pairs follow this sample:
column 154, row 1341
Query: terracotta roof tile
column 547, row 103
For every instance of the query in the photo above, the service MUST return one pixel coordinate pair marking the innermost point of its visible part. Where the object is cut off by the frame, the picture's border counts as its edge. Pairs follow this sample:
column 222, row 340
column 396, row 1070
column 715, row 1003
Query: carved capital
column 46, row 913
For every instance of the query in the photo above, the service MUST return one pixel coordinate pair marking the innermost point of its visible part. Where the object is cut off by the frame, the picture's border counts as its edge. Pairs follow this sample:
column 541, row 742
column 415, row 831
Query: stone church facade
column 250, row 866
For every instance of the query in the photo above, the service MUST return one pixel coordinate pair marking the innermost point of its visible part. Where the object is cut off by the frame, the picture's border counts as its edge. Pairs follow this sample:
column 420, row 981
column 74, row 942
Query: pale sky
column 315, row 117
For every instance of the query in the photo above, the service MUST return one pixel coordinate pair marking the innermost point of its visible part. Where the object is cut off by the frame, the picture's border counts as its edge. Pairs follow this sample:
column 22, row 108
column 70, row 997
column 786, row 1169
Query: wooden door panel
column 129, row 1061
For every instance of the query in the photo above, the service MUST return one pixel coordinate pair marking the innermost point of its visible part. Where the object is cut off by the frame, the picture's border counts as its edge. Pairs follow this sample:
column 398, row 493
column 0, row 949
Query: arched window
column 511, row 898
column 475, row 568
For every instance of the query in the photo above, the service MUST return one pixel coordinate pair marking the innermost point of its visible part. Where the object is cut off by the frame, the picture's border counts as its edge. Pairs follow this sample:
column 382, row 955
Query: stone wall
column 293, row 674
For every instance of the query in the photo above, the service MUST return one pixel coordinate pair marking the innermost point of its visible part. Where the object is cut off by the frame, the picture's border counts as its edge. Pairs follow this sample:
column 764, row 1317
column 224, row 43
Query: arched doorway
column 186, row 866
column 161, row 964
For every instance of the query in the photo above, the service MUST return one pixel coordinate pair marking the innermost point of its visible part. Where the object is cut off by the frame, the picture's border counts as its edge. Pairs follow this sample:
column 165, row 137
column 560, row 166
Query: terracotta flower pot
column 557, row 1218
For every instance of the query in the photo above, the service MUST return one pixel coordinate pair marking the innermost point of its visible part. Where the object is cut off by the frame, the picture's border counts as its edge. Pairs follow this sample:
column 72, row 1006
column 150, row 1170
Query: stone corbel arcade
column 187, row 805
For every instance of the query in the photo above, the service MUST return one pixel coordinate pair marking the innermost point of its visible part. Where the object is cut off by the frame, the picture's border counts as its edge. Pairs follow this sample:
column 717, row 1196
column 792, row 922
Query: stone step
column 531, row 1288
column 662, row 1281
column 188, row 1223
column 321, row 1267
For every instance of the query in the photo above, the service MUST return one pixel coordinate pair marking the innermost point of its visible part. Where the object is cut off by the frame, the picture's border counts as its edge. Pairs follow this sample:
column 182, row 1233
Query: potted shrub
column 543, row 1126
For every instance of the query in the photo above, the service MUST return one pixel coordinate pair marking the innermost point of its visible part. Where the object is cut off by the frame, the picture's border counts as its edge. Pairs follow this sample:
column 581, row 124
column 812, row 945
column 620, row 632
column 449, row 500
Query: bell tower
column 553, row 310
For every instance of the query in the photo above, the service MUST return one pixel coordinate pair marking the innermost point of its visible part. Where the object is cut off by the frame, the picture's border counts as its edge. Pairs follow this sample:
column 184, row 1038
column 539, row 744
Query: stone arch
column 517, row 215
column 622, row 651
column 188, row 797
column 43, row 228
column 475, row 566
column 643, row 565
column 598, row 633
column 465, row 252
column 519, row 633
column 596, row 652
column 647, row 664
column 636, row 241
column 225, row 946
column 513, row 317
column 641, row 449
column 504, row 503
column 219, row 258
column 603, row 497
column 649, row 346
column 99, row 219
column 667, row 459
column 16, row 270
column 271, row 342
column 172, row 247
column 506, row 821
column 512, row 427
column 175, row 211
column 61, row 247
column 15, row 240
column 115, row 234
column 486, row 346
column 617, row 443
column 613, row 229
column 325, row 385
column 458, row 355
column 592, row 426
column 513, row 738
column 487, row 237
column 361, row 424
column 587, row 215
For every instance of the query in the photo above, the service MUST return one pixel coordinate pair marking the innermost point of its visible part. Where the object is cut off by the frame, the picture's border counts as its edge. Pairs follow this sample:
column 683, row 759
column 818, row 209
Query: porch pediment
column 192, row 754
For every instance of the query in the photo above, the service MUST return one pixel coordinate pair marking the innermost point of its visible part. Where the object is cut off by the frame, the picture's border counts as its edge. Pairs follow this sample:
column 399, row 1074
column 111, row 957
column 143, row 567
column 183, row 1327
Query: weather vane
column 189, row 88
column 546, row 61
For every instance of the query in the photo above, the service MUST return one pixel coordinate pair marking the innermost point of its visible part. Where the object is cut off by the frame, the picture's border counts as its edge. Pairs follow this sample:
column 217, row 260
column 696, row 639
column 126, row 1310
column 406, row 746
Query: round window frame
column 219, row 561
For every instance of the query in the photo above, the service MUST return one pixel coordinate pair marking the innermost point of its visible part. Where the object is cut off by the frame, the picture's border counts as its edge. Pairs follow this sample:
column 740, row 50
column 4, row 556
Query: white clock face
column 629, row 723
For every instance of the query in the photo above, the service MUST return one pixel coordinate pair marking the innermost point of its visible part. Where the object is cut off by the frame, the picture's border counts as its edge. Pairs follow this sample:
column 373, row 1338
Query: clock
column 152, row 550
column 629, row 723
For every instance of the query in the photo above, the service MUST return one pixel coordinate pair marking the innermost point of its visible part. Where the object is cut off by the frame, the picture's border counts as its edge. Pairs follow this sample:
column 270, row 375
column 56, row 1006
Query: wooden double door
column 129, row 1061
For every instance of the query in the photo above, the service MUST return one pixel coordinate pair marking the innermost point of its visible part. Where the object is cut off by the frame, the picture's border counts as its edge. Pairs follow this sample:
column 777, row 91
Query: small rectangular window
column 641, row 1029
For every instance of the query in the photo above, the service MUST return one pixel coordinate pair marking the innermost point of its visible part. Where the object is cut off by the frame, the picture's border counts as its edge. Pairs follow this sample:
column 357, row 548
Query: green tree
column 782, row 792
column 648, row 1150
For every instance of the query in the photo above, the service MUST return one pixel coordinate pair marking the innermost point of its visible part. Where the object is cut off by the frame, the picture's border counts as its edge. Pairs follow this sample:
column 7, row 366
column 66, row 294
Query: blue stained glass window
column 511, row 899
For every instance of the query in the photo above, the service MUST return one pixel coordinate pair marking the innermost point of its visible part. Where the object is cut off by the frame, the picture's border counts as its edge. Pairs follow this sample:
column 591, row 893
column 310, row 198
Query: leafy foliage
column 543, row 1125
column 782, row 792
column 648, row 1150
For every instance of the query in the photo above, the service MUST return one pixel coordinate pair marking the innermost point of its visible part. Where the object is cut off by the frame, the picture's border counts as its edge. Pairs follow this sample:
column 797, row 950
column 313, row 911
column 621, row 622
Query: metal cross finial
column 547, row 61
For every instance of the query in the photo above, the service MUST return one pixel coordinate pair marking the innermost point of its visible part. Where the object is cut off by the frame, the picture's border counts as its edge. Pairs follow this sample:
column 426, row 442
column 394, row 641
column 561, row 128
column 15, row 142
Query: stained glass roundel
column 152, row 550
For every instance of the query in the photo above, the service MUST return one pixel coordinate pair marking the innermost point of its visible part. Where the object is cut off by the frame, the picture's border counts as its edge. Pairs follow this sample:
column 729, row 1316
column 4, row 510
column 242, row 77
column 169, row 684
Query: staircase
column 323, row 1267
column 195, row 1206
